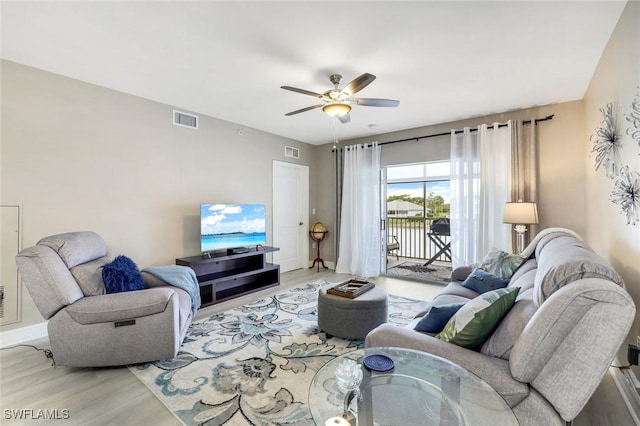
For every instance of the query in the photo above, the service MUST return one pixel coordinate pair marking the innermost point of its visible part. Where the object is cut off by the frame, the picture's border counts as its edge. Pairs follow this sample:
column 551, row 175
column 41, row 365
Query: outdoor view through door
column 418, row 221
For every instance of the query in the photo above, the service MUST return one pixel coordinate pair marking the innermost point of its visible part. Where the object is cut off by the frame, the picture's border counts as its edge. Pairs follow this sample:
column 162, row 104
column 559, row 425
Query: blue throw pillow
column 122, row 274
column 437, row 317
column 481, row 281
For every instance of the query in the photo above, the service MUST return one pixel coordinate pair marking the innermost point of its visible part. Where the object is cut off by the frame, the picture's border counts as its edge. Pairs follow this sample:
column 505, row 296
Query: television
column 231, row 226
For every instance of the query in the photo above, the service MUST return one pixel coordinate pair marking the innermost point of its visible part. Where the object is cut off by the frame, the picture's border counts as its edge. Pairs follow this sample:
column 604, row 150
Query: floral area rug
column 414, row 270
column 253, row 365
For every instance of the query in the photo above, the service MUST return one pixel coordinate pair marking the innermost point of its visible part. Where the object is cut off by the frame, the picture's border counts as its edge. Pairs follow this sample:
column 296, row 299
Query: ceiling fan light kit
column 336, row 109
column 337, row 102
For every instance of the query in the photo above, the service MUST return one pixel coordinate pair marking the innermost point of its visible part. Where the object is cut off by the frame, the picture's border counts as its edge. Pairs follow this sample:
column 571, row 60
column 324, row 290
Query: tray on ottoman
column 351, row 289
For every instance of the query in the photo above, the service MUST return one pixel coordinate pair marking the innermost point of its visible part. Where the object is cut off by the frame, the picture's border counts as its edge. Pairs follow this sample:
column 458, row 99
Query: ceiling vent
column 185, row 120
column 291, row 152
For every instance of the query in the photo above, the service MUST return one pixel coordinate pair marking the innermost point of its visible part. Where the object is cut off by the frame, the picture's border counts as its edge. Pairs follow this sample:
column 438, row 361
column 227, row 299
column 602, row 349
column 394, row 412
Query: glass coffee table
column 421, row 389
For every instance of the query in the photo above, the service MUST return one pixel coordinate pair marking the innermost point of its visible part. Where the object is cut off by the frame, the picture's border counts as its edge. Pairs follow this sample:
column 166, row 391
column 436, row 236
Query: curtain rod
column 475, row 129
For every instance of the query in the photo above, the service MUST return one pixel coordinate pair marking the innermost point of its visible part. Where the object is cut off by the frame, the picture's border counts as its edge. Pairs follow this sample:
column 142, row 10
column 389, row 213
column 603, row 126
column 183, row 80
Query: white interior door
column 290, row 215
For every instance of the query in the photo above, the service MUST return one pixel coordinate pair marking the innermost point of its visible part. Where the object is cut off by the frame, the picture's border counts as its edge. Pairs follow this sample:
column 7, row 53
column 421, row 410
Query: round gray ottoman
column 351, row 318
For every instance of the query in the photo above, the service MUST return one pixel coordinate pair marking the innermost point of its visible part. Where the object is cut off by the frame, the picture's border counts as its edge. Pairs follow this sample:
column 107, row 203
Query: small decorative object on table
column 341, row 420
column 352, row 288
column 379, row 363
column 348, row 375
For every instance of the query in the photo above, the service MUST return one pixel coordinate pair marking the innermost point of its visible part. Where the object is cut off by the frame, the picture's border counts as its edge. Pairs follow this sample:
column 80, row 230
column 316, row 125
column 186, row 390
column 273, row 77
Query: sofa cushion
column 496, row 372
column 501, row 263
column 482, row 281
column 75, row 248
column 563, row 260
column 528, row 266
column 122, row 274
column 437, row 317
column 89, row 276
column 499, row 344
column 456, row 289
column 475, row 321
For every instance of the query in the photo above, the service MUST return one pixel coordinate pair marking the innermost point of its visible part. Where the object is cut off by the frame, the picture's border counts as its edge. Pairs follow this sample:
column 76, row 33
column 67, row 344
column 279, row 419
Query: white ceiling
column 444, row 61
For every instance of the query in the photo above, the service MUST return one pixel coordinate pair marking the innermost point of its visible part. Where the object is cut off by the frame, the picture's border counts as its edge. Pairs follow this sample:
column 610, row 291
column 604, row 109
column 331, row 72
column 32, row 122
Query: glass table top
column 420, row 389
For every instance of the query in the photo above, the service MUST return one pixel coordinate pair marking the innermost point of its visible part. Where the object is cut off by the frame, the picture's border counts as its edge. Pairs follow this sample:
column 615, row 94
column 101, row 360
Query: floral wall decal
column 606, row 142
column 634, row 118
column 626, row 193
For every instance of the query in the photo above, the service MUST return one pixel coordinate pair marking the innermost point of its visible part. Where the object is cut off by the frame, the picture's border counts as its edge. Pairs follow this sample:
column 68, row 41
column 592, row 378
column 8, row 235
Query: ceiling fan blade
column 375, row 102
column 359, row 83
column 304, row 92
column 345, row 118
column 298, row 111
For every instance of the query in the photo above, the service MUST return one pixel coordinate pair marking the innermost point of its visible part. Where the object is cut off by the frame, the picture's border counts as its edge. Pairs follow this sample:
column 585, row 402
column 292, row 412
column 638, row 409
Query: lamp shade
column 520, row 213
column 335, row 109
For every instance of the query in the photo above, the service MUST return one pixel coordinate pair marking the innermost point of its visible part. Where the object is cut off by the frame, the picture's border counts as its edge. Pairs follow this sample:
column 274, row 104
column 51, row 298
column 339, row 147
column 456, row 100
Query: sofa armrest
column 461, row 273
column 120, row 306
column 554, row 352
column 151, row 281
column 494, row 371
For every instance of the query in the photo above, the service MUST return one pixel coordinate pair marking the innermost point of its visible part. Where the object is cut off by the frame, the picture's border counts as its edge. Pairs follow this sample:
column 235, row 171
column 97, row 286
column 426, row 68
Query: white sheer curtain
column 360, row 236
column 480, row 186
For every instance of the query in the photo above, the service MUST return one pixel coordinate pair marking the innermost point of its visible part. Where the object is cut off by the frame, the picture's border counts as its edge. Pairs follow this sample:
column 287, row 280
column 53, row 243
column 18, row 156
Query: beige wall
column 616, row 79
column 77, row 156
column 561, row 188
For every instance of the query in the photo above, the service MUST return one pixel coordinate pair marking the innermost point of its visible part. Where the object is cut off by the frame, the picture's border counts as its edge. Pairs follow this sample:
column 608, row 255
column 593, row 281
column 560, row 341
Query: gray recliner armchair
column 89, row 328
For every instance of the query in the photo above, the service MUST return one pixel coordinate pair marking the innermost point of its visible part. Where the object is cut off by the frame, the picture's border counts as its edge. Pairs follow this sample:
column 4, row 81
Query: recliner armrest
column 120, row 306
column 461, row 273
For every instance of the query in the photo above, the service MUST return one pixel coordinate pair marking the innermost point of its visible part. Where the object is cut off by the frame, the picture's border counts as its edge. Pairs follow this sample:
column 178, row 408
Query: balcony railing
column 411, row 233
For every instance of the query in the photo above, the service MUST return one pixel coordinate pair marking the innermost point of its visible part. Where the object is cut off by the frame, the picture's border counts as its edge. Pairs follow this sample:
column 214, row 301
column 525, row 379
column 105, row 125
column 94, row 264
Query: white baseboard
column 23, row 334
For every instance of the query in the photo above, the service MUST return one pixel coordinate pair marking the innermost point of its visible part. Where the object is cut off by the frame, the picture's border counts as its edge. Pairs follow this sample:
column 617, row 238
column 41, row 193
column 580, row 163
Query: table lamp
column 520, row 214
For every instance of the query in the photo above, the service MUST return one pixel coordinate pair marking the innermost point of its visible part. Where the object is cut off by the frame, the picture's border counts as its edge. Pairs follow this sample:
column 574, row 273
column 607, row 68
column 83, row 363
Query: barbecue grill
column 440, row 228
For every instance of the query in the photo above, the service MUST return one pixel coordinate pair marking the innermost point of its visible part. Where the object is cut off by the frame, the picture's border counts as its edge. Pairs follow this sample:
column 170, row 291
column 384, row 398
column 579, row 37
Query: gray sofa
column 551, row 350
column 88, row 328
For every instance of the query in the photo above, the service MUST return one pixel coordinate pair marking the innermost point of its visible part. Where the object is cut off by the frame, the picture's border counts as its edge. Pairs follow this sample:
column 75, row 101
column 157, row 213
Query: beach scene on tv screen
column 231, row 225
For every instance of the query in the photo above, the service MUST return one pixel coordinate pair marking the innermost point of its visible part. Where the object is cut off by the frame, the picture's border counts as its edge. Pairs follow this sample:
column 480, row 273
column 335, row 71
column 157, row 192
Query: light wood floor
column 114, row 396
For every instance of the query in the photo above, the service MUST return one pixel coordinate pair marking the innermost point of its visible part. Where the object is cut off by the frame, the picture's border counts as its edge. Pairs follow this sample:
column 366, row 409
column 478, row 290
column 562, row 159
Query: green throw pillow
column 475, row 321
column 501, row 263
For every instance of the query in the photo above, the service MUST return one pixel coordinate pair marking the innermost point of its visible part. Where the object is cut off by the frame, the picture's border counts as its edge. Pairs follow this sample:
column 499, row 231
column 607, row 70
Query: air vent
column 185, row 120
column 292, row 152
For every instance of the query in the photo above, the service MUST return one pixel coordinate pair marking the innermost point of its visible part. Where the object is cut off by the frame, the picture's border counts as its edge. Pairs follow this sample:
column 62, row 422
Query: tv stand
column 226, row 276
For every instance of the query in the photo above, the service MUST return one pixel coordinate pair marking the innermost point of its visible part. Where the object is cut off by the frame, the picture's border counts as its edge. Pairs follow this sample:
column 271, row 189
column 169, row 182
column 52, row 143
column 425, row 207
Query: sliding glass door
column 415, row 196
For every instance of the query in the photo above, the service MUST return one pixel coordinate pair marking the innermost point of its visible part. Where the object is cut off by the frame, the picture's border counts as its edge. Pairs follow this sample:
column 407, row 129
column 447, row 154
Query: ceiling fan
column 337, row 102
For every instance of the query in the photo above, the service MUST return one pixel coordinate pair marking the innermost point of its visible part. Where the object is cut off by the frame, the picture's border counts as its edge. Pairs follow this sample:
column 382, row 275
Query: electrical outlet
column 638, row 341
column 632, row 354
column 313, row 245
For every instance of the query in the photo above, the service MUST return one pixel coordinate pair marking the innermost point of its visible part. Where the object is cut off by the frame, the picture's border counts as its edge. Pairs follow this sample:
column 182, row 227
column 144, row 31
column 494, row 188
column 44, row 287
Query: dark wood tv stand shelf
column 225, row 276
